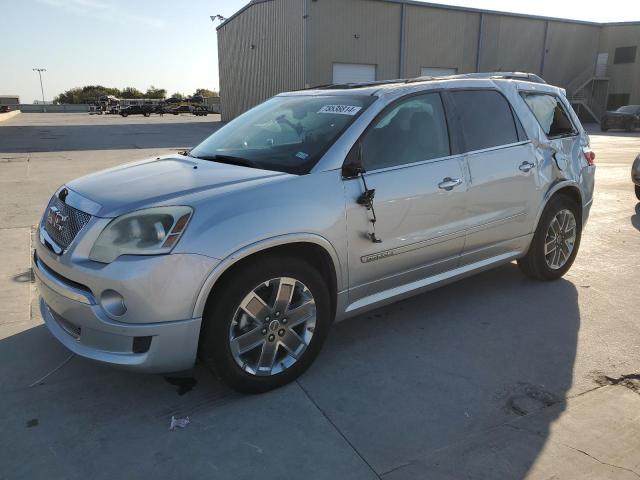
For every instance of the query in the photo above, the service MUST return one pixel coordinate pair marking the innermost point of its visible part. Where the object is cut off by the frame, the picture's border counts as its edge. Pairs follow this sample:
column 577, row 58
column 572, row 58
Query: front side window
column 411, row 131
column 287, row 134
column 551, row 114
column 485, row 118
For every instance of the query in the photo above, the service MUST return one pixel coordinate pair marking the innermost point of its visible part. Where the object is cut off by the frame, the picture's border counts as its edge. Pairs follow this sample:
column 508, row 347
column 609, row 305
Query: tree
column 86, row 94
column 204, row 92
column 153, row 92
column 177, row 96
column 132, row 92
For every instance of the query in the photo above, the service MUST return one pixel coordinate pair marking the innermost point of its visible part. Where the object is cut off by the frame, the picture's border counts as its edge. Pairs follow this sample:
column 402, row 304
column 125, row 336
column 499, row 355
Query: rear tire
column 540, row 261
column 637, row 191
column 604, row 128
column 224, row 320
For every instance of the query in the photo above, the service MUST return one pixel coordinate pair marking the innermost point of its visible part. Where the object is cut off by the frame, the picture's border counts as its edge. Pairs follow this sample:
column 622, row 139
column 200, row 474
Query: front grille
column 72, row 222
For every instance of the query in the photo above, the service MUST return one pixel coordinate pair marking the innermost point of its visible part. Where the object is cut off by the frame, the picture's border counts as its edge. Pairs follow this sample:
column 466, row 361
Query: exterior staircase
column 588, row 93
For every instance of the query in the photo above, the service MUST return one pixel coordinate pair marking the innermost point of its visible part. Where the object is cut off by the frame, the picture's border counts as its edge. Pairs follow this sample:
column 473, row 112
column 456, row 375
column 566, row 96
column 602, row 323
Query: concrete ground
column 496, row 376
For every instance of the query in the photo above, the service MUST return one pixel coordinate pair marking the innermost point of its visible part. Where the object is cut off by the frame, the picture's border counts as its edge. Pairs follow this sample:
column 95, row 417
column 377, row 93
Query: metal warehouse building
column 270, row 46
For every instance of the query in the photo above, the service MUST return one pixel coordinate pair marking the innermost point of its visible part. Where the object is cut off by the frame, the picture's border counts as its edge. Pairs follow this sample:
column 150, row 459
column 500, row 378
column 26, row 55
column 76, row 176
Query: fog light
column 113, row 303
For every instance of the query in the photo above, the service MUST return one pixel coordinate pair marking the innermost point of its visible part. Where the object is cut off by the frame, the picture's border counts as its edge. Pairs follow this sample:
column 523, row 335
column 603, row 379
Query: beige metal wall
column 511, row 44
column 624, row 78
column 572, row 49
column 353, row 31
column 298, row 41
column 249, row 75
column 440, row 38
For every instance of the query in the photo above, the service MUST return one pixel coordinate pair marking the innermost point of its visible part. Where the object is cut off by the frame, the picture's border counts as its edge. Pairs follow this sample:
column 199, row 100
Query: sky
column 167, row 43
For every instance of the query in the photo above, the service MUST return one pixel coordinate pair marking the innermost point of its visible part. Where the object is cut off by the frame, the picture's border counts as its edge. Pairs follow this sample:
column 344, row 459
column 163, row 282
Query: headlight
column 152, row 231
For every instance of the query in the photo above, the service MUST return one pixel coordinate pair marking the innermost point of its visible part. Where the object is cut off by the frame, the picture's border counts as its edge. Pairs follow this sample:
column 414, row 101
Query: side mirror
column 352, row 166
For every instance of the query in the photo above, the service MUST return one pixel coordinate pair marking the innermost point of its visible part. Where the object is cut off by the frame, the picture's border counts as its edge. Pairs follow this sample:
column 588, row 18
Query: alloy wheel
column 560, row 239
column 272, row 326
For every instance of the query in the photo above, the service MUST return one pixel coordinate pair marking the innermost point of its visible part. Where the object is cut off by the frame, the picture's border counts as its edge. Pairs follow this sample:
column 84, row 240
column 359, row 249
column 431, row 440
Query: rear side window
column 485, row 118
column 551, row 114
column 413, row 130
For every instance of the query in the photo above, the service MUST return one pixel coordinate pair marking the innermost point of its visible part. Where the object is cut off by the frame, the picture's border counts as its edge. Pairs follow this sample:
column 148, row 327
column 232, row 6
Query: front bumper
column 74, row 318
column 143, row 339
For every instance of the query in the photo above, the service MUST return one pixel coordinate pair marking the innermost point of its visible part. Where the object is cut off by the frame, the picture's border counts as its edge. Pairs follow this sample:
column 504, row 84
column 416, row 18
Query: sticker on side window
column 340, row 109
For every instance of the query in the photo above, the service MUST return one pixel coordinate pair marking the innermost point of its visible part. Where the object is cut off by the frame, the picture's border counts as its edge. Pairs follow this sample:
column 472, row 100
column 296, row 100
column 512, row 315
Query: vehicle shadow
column 55, row 138
column 428, row 384
column 635, row 219
column 424, row 385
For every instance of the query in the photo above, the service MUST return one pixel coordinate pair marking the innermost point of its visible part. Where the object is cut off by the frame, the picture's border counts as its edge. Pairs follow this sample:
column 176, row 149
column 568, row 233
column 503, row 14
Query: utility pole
column 40, row 70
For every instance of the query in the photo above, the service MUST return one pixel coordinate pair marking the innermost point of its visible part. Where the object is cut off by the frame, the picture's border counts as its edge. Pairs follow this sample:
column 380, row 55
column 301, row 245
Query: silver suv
column 315, row 205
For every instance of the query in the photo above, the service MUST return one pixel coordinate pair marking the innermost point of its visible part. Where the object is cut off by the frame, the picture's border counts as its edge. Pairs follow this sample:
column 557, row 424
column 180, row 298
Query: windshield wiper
column 228, row 159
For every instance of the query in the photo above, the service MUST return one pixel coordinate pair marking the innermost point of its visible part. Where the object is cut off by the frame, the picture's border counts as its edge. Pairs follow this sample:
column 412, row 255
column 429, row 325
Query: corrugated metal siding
column 332, row 30
column 369, row 32
column 625, row 78
column 571, row 51
column 440, row 38
column 512, row 44
column 248, row 75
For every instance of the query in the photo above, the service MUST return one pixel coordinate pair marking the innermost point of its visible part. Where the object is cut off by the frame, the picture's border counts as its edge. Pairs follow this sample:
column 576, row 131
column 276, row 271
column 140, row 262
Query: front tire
column 637, row 191
column 265, row 324
column 555, row 242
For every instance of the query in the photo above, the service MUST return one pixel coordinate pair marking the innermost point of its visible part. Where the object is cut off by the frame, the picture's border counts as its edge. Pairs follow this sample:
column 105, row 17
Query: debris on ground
column 177, row 422
column 41, row 380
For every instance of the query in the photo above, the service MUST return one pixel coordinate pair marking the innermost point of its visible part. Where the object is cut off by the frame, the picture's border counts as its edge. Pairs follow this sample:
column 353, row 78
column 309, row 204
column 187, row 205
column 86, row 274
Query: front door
column 419, row 199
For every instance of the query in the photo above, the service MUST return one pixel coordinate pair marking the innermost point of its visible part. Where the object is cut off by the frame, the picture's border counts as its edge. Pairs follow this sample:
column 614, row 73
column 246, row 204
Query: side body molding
column 260, row 246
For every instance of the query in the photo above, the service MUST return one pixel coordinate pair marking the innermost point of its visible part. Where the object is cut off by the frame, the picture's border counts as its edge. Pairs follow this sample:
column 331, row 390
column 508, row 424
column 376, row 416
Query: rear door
column 504, row 189
column 419, row 199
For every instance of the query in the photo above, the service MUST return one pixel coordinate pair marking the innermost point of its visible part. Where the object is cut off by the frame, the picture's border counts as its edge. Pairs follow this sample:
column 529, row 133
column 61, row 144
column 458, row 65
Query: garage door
column 437, row 72
column 353, row 73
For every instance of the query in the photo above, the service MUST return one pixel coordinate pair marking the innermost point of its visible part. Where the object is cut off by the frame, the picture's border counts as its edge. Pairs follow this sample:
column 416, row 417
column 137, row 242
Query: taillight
column 590, row 157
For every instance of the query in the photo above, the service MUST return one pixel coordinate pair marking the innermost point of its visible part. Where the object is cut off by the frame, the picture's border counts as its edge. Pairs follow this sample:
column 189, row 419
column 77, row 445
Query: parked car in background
column 313, row 206
column 625, row 118
column 200, row 111
column 181, row 109
column 145, row 110
column 5, row 108
column 635, row 175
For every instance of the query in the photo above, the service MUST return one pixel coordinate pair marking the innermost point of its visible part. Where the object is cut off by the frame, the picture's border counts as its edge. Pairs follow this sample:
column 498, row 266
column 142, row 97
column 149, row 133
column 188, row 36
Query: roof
column 462, row 9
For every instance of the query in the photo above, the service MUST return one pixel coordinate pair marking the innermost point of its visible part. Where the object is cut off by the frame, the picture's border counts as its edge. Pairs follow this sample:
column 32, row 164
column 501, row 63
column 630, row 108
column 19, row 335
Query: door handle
column 526, row 166
column 449, row 183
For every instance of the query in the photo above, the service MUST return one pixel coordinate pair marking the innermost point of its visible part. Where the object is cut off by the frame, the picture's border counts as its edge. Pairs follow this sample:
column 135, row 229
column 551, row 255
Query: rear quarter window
column 485, row 118
column 551, row 114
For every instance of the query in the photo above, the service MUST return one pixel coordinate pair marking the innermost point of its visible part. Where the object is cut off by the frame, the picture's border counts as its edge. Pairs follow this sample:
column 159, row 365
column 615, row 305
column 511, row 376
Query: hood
column 168, row 179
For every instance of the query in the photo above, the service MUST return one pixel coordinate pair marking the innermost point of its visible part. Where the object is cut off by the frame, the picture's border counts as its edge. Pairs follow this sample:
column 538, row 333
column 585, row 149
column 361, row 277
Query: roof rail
column 346, row 86
column 527, row 77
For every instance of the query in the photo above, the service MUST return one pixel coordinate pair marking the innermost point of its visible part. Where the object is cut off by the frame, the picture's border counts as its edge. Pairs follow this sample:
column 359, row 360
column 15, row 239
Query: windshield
column 629, row 109
column 287, row 134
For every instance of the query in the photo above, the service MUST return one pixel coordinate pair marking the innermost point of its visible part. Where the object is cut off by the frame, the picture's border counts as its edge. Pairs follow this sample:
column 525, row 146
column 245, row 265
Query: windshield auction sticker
column 340, row 109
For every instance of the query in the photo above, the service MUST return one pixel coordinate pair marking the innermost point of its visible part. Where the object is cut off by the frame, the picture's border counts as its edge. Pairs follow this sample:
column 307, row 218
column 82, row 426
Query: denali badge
column 56, row 219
